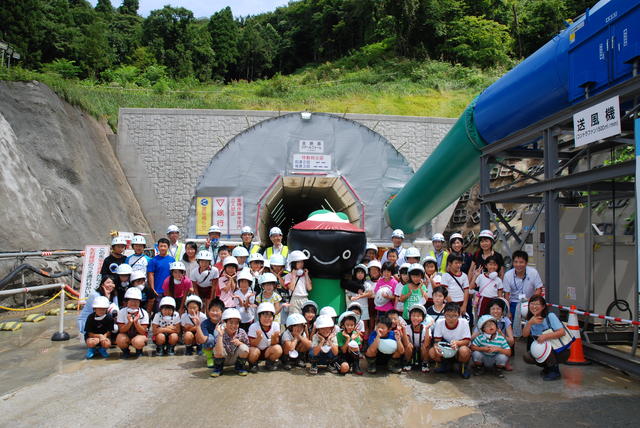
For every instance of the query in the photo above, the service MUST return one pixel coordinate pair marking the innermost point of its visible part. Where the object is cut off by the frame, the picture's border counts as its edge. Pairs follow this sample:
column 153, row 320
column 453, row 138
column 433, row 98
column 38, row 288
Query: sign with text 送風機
column 597, row 122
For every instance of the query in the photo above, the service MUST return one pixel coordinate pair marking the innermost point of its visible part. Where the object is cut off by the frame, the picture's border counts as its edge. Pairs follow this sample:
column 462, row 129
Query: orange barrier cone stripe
column 576, row 356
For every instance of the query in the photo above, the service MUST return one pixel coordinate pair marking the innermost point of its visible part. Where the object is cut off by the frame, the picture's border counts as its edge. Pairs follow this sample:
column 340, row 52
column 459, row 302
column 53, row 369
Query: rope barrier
column 33, row 307
column 71, row 296
column 590, row 314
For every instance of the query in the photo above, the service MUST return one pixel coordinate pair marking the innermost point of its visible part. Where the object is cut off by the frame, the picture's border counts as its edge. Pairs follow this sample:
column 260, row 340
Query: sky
column 206, row 8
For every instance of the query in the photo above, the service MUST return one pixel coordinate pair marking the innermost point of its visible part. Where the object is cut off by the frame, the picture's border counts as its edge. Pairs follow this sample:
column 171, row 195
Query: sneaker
column 465, row 373
column 371, row 366
column 188, row 350
column 424, row 368
column 313, row 369
column 498, row 372
column 103, row 353
column 301, row 363
column 442, row 367
column 159, row 351
column 333, row 368
column 171, row 350
column 139, row 353
column 356, row 368
column 395, row 366
column 554, row 374
column 241, row 367
column 126, row 353
column 407, row 367
column 91, row 352
column 199, row 350
column 253, row 368
column 271, row 365
column 218, row 366
column 508, row 366
column 286, row 364
column 478, row 370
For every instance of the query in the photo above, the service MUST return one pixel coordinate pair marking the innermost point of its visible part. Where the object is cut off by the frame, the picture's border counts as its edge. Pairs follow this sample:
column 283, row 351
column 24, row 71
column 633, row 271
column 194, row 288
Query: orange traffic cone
column 576, row 357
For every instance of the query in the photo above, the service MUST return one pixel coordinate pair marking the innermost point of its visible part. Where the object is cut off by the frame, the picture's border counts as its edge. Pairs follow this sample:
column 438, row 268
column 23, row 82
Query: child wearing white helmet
column 116, row 258
column 277, row 264
column 452, row 338
column 99, row 327
column 268, row 283
column 123, row 272
column 227, row 283
column 178, row 285
column 356, row 308
column 438, row 252
column 412, row 255
column 295, row 342
column 138, row 280
column 403, row 278
column 133, row 322
column 204, row 277
column 298, row 282
column 138, row 260
column 241, row 254
column 414, row 292
column 349, row 342
column 397, row 238
column 490, row 348
column 193, row 309
column 256, row 264
column 206, row 331
column 488, row 284
column 166, row 327
column 371, row 252
column 264, row 338
column 432, row 277
column 232, row 344
column 417, row 340
column 360, row 294
column 324, row 345
column 385, row 347
column 310, row 313
column 246, row 299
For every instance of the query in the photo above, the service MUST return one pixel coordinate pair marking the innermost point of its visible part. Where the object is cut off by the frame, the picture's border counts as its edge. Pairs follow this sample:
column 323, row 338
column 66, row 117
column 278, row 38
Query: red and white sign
column 94, row 255
column 311, row 162
column 221, row 214
column 236, row 214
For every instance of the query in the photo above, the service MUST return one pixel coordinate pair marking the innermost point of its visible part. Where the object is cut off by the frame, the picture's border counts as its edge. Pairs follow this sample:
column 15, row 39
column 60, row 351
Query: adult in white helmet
column 324, row 344
column 205, row 276
column 107, row 288
column 212, row 243
column 115, row 259
column 264, row 338
column 241, row 254
column 178, row 285
column 228, row 283
column 277, row 247
column 298, row 282
column 486, row 239
column 371, row 251
column 439, row 252
column 138, row 260
column 456, row 246
column 295, row 342
column 246, row 234
column 539, row 320
column 188, row 322
column 166, row 327
column 176, row 248
column 133, row 323
column 397, row 238
column 232, row 345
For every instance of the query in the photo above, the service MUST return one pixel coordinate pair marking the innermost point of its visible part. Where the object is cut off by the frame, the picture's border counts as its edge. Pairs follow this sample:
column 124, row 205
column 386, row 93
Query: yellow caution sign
column 203, row 215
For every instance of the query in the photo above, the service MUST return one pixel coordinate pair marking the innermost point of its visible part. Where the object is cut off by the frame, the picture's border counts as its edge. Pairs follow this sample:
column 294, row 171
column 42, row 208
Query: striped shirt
column 498, row 340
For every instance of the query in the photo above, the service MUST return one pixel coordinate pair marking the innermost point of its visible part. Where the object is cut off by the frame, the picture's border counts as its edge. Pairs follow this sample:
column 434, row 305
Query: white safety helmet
column 295, row 319
column 328, row 310
column 405, row 266
column 133, row 293
column 136, row 275
column 381, row 297
column 371, row 246
column 456, row 236
column 540, row 351
column 275, row 231
column 173, row 228
column 353, row 305
column 387, row 346
column 277, row 260
column 230, row 313
column 124, row 269
column 437, row 237
column 230, row 261
column 138, row 239
column 483, row 319
column 118, row 240
column 245, row 274
column 418, row 307
column 193, row 298
column 178, row 266
column 240, row 251
column 168, row 301
column 101, row 302
column 246, row 229
column 324, row 321
column 398, row 233
column 412, row 252
column 267, row 277
column 256, row 257
column 309, row 303
column 374, row 263
column 361, row 267
column 429, row 259
column 347, row 314
column 296, row 256
column 486, row 234
column 266, row 264
column 266, row 307
column 215, row 229
column 446, row 350
column 204, row 255
column 524, row 309
column 416, row 267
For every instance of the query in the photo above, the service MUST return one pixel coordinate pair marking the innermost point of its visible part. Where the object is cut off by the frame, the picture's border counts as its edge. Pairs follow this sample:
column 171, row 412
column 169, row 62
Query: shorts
column 322, row 358
column 489, row 360
column 382, row 359
column 296, row 304
column 349, row 358
column 230, row 359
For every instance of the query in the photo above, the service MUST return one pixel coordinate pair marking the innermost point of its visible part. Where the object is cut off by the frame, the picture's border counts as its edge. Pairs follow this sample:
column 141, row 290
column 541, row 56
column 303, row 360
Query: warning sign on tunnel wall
column 221, row 214
column 203, row 215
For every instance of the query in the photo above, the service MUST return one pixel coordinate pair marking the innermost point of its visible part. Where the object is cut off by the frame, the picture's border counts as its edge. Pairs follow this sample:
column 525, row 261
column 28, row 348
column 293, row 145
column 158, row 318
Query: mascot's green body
column 334, row 246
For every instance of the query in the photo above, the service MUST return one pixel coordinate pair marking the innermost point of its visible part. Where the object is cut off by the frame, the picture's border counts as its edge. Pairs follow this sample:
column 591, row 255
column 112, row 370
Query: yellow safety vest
column 284, row 252
column 445, row 255
column 254, row 249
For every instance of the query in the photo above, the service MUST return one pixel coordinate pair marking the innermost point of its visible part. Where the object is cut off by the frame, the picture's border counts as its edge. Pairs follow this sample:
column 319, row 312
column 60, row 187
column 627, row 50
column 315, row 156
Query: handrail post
column 61, row 335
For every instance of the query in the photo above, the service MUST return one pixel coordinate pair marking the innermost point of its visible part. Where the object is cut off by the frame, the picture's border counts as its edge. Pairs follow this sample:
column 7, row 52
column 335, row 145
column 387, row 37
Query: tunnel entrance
column 290, row 200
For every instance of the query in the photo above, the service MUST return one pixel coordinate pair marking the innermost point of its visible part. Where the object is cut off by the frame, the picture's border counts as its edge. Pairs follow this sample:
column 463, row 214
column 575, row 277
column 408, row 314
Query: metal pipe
column 30, row 289
column 41, row 254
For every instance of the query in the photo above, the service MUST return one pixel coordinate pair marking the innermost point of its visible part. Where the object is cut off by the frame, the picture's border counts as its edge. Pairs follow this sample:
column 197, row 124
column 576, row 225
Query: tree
column 477, row 41
column 124, row 36
column 542, row 20
column 104, row 6
column 223, row 30
column 22, row 28
column 129, row 7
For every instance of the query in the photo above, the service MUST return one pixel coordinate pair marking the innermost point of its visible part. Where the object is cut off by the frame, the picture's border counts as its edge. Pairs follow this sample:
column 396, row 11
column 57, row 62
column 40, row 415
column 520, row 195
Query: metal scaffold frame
column 550, row 141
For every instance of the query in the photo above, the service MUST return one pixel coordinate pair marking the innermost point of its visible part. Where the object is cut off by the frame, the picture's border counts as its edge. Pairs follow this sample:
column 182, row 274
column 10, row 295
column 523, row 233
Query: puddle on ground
column 423, row 414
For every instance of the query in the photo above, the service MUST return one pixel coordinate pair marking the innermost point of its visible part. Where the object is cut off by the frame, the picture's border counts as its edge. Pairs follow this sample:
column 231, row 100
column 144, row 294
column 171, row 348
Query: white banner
column 221, row 214
column 94, row 255
column 312, row 162
column 236, row 214
column 597, row 122
column 311, row 146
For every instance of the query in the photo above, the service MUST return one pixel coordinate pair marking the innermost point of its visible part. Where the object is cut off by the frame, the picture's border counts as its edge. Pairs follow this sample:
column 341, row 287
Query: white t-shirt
column 204, row 278
column 414, row 338
column 364, row 303
column 266, row 337
column 517, row 286
column 488, row 287
column 300, row 289
column 166, row 321
column 399, row 306
column 360, row 326
column 138, row 262
column 460, row 332
column 186, row 319
column 287, row 336
column 455, row 292
column 246, row 314
column 122, row 316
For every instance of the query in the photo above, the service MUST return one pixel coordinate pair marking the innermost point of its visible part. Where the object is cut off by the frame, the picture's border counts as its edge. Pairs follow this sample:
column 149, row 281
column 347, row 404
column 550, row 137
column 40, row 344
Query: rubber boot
column 188, row 350
column 91, row 352
column 159, row 350
column 199, row 349
column 241, row 367
column 442, row 367
column 103, row 353
column 554, row 373
column 286, row 362
column 371, row 365
column 171, row 350
column 126, row 352
column 314, row 366
column 218, row 365
column 208, row 353
column 465, row 371
column 395, row 365
column 356, row 366
column 139, row 352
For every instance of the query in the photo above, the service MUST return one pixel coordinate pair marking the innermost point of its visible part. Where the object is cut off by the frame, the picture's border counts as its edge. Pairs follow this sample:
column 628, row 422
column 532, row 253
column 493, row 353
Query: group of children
column 245, row 309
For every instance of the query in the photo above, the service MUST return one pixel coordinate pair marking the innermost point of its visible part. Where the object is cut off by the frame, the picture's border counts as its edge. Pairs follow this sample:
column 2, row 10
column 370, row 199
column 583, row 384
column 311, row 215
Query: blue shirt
column 374, row 334
column 550, row 322
column 209, row 329
column 160, row 267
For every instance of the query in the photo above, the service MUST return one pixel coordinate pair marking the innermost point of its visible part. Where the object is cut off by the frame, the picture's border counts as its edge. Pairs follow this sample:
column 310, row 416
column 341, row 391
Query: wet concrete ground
column 43, row 383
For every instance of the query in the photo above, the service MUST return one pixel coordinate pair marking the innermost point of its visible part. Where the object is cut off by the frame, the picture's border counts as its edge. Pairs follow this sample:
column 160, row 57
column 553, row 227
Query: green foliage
column 63, row 68
column 223, row 30
column 476, row 41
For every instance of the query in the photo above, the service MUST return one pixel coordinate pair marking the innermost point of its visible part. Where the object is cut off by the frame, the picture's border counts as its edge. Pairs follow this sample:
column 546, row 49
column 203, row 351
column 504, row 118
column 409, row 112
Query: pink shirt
column 179, row 290
column 391, row 284
column 226, row 296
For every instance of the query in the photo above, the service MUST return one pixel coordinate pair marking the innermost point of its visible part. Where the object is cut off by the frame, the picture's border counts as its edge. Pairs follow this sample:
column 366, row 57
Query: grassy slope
column 399, row 87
